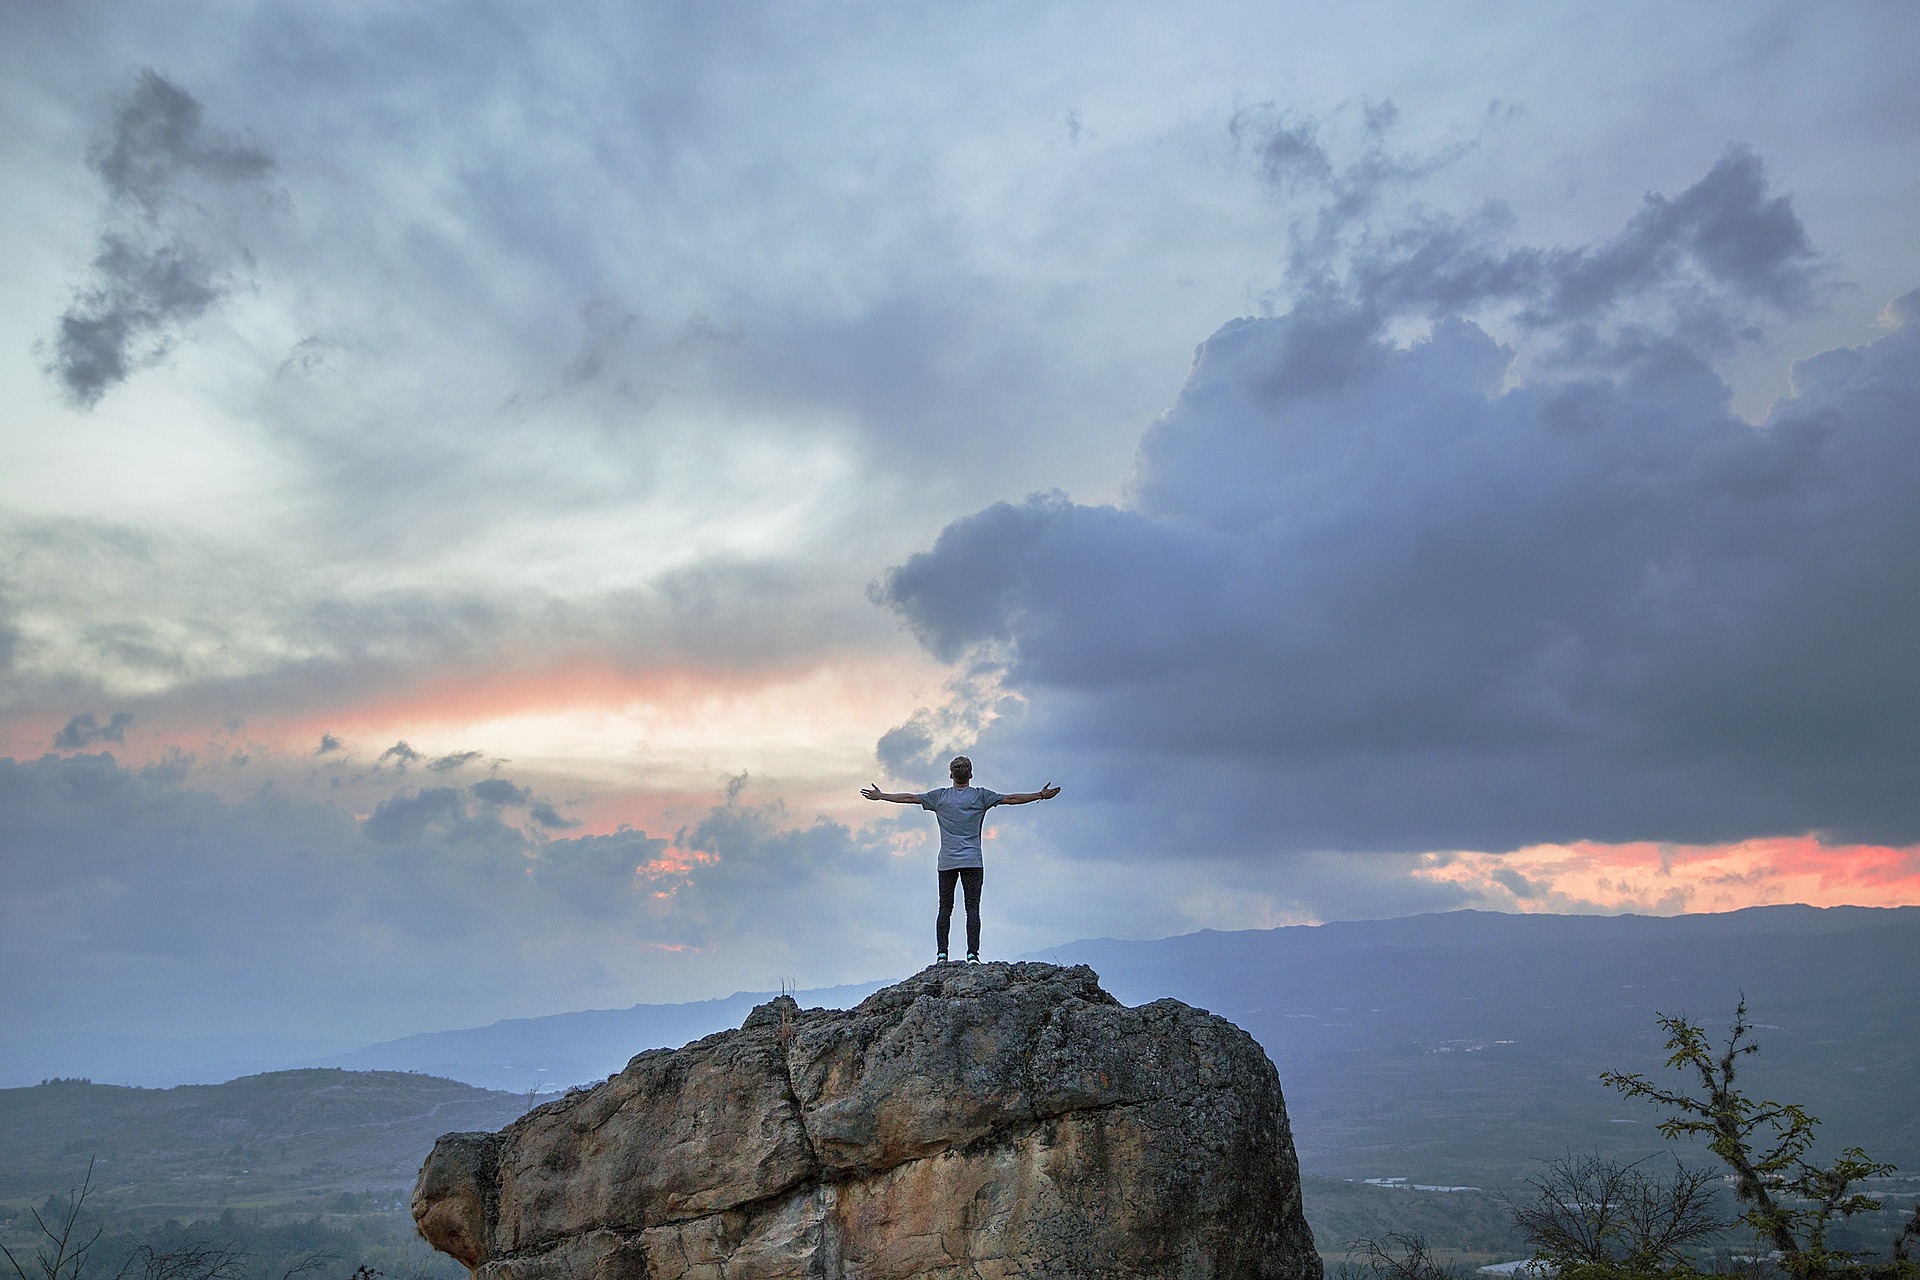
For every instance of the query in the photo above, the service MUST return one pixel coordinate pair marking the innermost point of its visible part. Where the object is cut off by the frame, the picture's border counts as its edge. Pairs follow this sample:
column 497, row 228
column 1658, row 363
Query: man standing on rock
column 960, row 809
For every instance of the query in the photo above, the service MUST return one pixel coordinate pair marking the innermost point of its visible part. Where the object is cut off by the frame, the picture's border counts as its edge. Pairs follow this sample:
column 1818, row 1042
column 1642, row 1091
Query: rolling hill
column 283, row 1138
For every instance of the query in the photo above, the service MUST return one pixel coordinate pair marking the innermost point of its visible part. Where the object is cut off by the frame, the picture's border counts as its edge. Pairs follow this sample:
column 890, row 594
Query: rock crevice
column 991, row 1121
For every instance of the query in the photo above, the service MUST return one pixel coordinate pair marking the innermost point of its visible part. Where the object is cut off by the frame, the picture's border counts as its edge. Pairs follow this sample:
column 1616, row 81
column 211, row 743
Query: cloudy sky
column 482, row 486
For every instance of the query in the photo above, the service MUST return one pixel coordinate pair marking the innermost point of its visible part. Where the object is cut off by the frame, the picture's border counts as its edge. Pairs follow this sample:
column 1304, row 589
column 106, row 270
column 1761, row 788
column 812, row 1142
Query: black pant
column 969, row 878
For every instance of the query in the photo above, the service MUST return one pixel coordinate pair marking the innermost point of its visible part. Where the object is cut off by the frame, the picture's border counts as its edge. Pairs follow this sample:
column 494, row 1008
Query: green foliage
column 74, row 1241
column 314, row 1247
column 1790, row 1202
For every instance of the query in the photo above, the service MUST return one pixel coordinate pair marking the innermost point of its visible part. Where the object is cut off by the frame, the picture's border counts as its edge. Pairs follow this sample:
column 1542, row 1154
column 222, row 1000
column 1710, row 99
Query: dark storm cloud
column 755, row 866
column 1520, row 886
column 933, row 735
column 84, row 731
column 550, row 818
column 1296, row 152
column 908, row 749
column 1708, row 256
column 1697, row 264
column 1288, row 146
column 160, row 138
column 401, row 754
column 443, row 811
column 168, row 254
column 542, row 813
column 1737, row 235
column 500, row 791
column 1372, row 596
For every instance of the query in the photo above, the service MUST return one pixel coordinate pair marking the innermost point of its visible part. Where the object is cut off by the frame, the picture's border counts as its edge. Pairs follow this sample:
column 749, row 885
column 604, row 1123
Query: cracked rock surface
column 977, row 1121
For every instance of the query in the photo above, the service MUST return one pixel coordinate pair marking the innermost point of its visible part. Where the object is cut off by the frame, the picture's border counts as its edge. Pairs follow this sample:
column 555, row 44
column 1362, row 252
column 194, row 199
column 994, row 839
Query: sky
column 483, row 486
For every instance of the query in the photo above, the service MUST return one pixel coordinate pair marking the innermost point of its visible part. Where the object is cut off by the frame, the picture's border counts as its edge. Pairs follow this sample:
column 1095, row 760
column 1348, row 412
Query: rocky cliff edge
column 972, row 1121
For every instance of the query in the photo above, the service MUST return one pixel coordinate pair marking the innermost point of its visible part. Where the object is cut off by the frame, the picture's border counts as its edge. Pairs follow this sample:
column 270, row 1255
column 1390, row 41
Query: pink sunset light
column 1665, row 879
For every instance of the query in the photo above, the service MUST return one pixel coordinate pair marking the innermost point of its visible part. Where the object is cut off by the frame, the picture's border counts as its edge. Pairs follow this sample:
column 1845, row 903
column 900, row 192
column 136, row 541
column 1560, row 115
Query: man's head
column 962, row 770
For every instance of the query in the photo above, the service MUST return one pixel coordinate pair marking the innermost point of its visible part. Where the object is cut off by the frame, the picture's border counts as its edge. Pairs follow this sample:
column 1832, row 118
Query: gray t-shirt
column 960, row 811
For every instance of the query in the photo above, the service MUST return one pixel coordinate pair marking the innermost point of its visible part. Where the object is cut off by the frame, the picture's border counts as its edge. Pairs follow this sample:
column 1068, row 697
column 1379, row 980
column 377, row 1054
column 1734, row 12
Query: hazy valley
column 1455, row 1050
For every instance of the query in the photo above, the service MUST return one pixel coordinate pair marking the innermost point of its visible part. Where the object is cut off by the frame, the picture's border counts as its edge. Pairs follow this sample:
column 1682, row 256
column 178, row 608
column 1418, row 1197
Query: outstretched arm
column 873, row 792
column 1047, row 792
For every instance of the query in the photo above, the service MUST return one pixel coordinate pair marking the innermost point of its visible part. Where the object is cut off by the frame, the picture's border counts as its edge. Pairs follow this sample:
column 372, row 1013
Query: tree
column 1394, row 1256
column 67, row 1246
column 65, row 1242
column 188, row 1262
column 1791, row 1202
column 1604, row 1218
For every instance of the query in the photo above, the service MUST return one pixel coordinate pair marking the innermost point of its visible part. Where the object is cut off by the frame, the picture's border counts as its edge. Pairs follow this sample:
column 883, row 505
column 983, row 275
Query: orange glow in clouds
column 635, row 746
column 1667, row 879
column 674, row 862
column 685, row 703
column 610, row 746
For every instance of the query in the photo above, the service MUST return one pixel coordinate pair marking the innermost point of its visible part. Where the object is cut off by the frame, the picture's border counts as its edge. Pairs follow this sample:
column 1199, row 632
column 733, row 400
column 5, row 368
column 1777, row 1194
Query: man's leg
column 970, row 878
column 943, row 924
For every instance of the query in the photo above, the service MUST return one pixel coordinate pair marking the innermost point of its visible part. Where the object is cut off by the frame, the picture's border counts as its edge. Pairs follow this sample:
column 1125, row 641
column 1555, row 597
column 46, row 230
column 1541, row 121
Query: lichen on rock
column 972, row 1121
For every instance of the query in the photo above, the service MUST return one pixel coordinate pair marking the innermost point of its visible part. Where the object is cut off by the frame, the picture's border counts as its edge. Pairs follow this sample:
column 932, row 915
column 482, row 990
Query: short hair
column 961, row 763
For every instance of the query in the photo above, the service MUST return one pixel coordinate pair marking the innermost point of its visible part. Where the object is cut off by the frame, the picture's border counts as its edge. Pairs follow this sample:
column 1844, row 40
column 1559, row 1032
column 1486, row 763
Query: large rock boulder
column 973, row 1121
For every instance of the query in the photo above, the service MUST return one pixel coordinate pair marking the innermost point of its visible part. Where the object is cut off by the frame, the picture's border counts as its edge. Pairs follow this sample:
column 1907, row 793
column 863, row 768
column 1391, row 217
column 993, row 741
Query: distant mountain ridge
column 281, row 1136
column 561, row 1050
column 1462, row 1047
column 1453, row 1049
column 1450, row 1048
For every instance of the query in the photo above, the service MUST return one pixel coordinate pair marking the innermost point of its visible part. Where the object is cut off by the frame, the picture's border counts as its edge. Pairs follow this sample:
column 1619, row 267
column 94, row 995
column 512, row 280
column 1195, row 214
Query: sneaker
column 941, row 958
column 973, row 957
